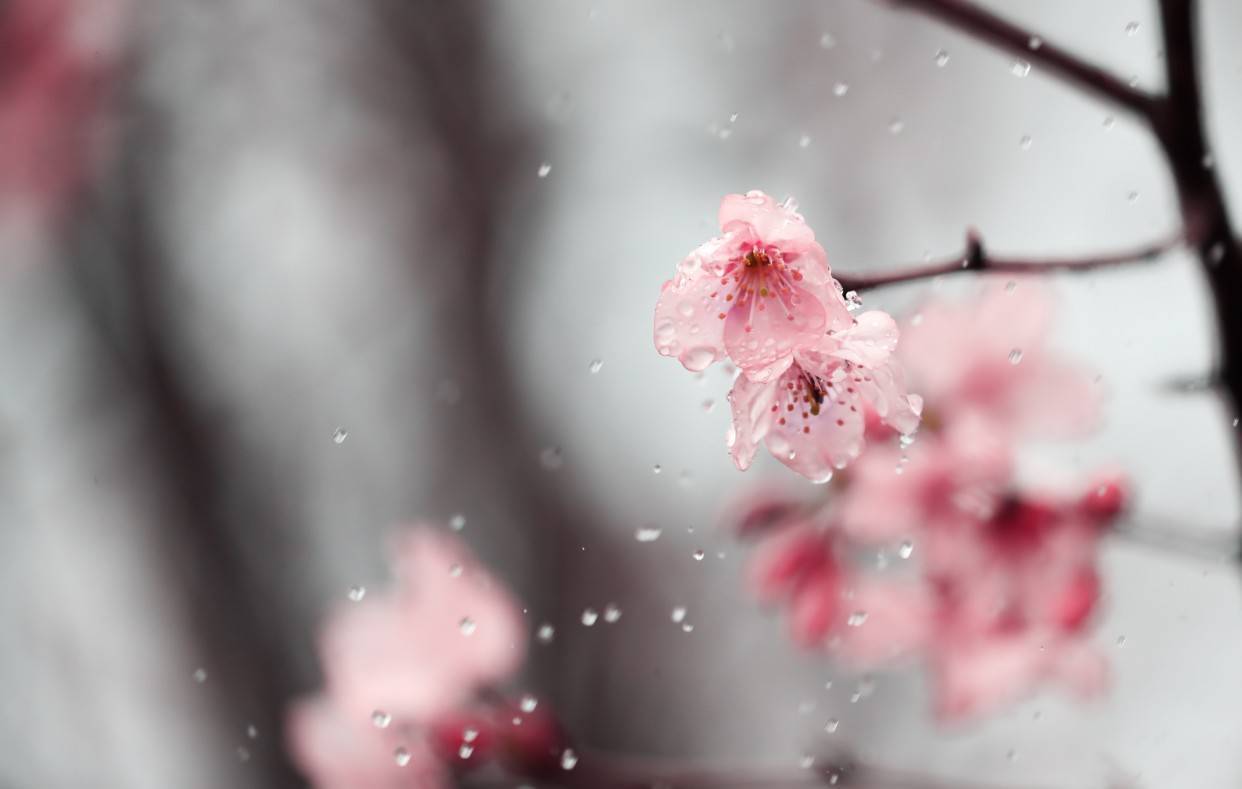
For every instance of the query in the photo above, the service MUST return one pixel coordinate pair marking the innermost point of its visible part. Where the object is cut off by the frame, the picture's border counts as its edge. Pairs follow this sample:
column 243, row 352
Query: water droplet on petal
column 465, row 751
column 708, row 405
column 589, row 616
column 380, row 719
column 544, row 170
column 528, row 703
column 807, row 761
column 1109, row 122
column 686, row 627
column 356, row 593
column 612, row 613
column 252, row 732
column 467, row 626
column 656, row 469
column 1011, row 286
column 896, row 125
column 648, row 533
column 698, row 555
column 455, row 570
column 1015, row 356
column 1034, row 43
column 243, row 753
column 1133, row 197
column 340, row 435
column 401, row 756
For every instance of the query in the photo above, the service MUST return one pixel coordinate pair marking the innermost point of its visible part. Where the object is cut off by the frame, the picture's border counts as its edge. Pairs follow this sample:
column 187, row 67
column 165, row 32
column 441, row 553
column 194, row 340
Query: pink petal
column 884, row 621
column 814, row 609
column 773, row 223
column 784, row 560
column 814, row 445
column 761, row 334
column 870, row 341
column 688, row 325
column 751, row 403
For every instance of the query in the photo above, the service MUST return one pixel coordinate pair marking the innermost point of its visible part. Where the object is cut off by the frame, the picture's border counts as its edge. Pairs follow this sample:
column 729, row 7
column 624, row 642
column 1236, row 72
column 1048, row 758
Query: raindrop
column 853, row 302
column 1011, row 286
column 1121, row 641
column 1132, row 28
column 1133, row 197
column 551, row 458
column 529, row 703
column 906, row 549
column 252, row 732
column 804, row 141
column 1015, row 356
column 656, row 469
column 1011, row 754
column 1216, row 253
column 589, row 616
column 200, row 675
column 896, row 126
column 1034, row 43
column 826, row 41
column 243, row 753
column 596, row 365
column 465, row 751
column 470, row 734
column 569, row 759
column 356, row 593
column 457, row 522
column 611, row 613
column 698, row 555
column 832, row 725
column 648, row 533
column 807, row 761
column 1109, row 122
column 455, row 570
column 467, row 626
column 942, row 58
column 401, row 756
column 339, row 436
column 380, row 719
column 1025, row 142
column 544, row 169
column 857, row 619
column 1019, row 68
column 708, row 405
column 840, row 89
column 686, row 627
column 679, row 613
column 545, row 633
column 733, row 118
column 1208, row 161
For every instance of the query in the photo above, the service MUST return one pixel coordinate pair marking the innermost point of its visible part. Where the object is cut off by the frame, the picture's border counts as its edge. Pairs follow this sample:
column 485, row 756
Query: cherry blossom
column 755, row 293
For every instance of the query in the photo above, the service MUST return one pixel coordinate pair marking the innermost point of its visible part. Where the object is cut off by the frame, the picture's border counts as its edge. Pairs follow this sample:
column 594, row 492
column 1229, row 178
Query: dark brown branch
column 975, row 257
column 986, row 26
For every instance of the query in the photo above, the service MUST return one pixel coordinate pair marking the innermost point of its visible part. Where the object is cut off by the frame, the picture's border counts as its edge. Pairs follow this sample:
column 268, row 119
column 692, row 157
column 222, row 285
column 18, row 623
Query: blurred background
column 326, row 267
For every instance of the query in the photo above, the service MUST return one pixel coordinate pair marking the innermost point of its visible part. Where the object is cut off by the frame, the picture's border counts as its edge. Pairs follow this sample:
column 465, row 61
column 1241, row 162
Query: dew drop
column 569, row 759
column 1121, row 641
column 339, row 436
column 457, row 522
column 546, row 633
column 243, row 753
column 467, row 626
column 1132, row 197
column 1011, row 286
column 589, row 616
column 807, row 761
column 544, row 170
column 1216, row 253
column 596, row 365
column 1019, row 68
column 678, row 613
column 252, row 732
column 401, row 756
column 380, row 719
column 648, row 533
column 853, row 302
column 708, row 405
column 455, row 570
column 1015, row 356
column 356, row 593
column 611, row 613
column 942, row 58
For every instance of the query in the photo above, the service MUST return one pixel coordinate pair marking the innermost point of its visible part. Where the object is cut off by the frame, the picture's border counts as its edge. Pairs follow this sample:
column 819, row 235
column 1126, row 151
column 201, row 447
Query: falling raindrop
column 1015, row 356
column 906, row 549
column 401, row 756
column 942, row 58
column 1132, row 28
column 339, row 436
column 545, row 633
column 457, row 522
column 569, row 759
column 529, row 703
column 648, row 533
column 1034, row 43
column 380, row 719
column 589, row 616
column 857, row 619
column 596, row 365
column 896, row 125
column 1025, row 142
column 544, row 169
column 356, row 593
column 679, row 613
column 826, row 41
column 656, row 469
column 840, row 89
column 1019, row 68
column 832, row 725
column 467, row 626
column 200, row 675
column 611, row 613
column 698, row 555
column 804, row 141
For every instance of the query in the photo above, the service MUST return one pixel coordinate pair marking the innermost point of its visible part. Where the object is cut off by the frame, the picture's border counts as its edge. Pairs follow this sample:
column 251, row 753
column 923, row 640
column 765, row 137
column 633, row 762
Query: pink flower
column 987, row 357
column 812, row 415
column 416, row 657
column 756, row 293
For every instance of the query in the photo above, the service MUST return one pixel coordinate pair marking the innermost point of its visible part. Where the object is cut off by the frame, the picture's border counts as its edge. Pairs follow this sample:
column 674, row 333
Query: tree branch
column 976, row 258
column 988, row 27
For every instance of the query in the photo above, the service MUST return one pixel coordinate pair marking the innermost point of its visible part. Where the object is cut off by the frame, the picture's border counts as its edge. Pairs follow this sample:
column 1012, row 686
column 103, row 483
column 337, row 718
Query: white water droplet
column 455, row 570
column 686, row 627
column 839, row 89
column 857, row 619
column 356, row 593
column 656, row 469
column 1026, row 142
column 200, row 675
column 698, row 555
column 569, row 759
column 1109, row 122
column 339, row 436
column 906, row 549
column 401, row 756
column 1034, row 43
column 807, row 761
column 544, row 170
column 826, row 41
column 1132, row 28
column 708, row 405
column 457, row 522
column 804, row 141
column 467, row 626
column 466, row 750
column 380, row 719
column 1133, row 196
column 1015, row 356
column 589, row 616
column 648, row 533
column 252, row 732
column 596, row 365
column 896, row 126
column 611, row 613
column 1019, row 68
column 679, row 613
column 546, row 633
column 942, row 58
column 832, row 725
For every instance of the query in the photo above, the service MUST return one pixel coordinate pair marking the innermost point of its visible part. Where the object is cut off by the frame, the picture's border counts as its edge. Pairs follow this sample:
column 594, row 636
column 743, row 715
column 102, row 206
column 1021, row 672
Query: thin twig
column 986, row 26
column 976, row 258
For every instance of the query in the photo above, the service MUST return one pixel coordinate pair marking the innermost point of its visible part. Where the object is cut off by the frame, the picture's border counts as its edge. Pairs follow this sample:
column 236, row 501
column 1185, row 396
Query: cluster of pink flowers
column 762, row 296
column 409, row 697
column 997, row 581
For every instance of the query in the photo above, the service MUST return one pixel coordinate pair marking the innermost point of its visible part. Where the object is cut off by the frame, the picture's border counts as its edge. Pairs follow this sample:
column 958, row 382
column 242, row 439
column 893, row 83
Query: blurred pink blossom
column 412, row 660
column 988, row 357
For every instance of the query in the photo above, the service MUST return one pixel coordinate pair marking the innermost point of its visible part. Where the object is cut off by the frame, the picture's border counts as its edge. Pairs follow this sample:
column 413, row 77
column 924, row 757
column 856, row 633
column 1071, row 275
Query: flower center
column 756, row 258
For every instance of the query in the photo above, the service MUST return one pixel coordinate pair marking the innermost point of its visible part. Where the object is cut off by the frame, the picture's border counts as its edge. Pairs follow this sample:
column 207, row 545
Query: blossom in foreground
column 754, row 294
column 403, row 669
column 988, row 357
column 812, row 416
